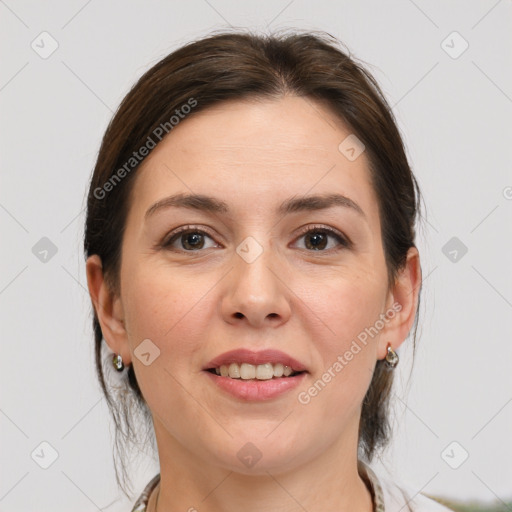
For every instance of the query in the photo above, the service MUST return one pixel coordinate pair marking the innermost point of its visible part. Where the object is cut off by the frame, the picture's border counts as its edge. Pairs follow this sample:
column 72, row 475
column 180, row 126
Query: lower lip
column 256, row 390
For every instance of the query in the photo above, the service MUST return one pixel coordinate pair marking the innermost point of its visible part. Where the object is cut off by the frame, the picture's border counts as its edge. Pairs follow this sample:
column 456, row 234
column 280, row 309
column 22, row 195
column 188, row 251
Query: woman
column 252, row 267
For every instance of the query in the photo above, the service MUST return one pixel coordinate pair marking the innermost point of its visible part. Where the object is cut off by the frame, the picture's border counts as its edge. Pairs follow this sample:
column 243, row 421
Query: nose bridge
column 256, row 290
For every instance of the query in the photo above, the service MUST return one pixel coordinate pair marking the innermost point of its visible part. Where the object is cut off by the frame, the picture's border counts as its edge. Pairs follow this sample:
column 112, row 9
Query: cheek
column 334, row 395
column 348, row 306
column 168, row 308
column 350, row 310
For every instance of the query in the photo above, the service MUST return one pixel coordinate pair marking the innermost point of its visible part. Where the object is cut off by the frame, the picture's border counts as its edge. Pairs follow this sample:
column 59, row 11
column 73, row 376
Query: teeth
column 278, row 370
column 246, row 371
column 264, row 371
column 234, row 371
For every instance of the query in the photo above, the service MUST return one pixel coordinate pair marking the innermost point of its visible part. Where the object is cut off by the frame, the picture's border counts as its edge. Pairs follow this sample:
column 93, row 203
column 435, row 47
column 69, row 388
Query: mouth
column 246, row 365
column 247, row 371
column 249, row 383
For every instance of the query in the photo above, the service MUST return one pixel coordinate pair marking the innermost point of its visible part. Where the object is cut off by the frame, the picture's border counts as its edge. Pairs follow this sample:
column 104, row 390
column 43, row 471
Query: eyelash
column 342, row 240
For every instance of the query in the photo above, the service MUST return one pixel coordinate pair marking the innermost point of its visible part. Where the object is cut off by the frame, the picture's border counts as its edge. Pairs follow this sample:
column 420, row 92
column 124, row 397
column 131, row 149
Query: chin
column 258, row 456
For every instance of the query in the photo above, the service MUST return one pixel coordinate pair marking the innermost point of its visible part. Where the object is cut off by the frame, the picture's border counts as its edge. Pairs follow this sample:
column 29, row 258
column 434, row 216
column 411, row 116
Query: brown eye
column 192, row 240
column 188, row 240
column 317, row 239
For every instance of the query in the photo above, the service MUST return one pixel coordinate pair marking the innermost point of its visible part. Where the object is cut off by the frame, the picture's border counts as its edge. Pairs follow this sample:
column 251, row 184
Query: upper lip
column 260, row 357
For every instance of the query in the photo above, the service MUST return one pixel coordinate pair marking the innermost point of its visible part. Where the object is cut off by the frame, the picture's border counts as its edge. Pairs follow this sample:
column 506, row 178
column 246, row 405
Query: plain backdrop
column 445, row 68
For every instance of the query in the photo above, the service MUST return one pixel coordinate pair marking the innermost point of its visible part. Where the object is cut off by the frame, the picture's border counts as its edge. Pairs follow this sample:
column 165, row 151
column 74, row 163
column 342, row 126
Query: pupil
column 196, row 237
column 319, row 240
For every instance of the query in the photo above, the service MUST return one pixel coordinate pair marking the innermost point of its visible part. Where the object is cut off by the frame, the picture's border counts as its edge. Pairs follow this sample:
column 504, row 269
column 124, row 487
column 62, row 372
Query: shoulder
column 390, row 496
column 400, row 496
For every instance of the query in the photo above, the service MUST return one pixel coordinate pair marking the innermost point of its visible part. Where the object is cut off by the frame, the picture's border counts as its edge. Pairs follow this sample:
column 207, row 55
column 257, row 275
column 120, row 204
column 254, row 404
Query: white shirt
column 392, row 497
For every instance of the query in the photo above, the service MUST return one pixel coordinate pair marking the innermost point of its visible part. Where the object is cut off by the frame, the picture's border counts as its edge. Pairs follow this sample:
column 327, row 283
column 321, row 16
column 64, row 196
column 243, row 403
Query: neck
column 330, row 481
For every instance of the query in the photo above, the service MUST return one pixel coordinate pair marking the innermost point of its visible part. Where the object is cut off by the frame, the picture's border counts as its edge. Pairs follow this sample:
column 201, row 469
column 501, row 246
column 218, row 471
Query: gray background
column 453, row 107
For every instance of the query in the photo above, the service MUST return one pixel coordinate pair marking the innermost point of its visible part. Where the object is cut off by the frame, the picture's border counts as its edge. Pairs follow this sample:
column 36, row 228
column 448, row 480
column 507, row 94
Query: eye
column 192, row 239
column 189, row 238
column 317, row 238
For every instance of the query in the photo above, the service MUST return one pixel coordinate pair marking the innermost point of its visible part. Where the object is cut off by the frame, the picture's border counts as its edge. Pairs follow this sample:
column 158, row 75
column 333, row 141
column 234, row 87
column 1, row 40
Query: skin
column 308, row 303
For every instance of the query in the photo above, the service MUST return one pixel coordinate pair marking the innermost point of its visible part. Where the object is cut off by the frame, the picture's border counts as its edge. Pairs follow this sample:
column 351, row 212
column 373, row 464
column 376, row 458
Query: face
column 308, row 280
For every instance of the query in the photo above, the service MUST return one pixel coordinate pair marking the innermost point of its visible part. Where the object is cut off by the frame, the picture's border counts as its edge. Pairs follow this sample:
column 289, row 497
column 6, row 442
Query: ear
column 108, row 308
column 403, row 301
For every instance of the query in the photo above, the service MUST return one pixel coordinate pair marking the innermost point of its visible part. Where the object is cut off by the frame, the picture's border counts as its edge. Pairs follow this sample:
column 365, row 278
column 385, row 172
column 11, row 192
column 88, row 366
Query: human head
column 235, row 66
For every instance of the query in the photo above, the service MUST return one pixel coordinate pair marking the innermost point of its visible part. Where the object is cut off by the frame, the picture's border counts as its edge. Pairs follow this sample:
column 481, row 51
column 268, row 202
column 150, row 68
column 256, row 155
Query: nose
column 256, row 291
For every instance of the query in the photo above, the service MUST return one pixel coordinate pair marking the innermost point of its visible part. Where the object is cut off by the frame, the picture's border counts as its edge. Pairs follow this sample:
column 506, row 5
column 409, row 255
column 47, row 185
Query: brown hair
column 234, row 65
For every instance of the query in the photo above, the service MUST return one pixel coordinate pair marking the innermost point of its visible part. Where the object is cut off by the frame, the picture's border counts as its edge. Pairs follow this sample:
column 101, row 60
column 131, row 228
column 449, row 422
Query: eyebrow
column 213, row 205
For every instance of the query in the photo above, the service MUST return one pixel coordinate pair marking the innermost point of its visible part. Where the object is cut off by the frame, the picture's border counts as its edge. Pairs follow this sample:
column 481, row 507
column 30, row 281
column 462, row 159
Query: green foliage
column 474, row 506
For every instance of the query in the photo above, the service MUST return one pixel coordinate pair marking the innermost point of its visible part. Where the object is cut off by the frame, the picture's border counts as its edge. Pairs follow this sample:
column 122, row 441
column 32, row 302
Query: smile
column 254, row 390
column 247, row 371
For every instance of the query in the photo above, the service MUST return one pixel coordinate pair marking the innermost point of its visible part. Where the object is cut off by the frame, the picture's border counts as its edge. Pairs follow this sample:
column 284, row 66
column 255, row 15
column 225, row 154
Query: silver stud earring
column 391, row 358
column 117, row 361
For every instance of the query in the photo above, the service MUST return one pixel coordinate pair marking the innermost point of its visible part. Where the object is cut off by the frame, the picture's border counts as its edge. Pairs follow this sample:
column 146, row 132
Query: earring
column 117, row 361
column 391, row 358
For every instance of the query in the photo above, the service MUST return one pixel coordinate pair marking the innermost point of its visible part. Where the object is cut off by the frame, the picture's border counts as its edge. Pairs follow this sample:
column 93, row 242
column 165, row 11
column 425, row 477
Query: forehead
column 258, row 150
